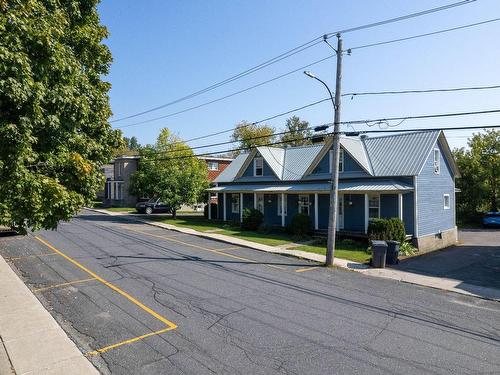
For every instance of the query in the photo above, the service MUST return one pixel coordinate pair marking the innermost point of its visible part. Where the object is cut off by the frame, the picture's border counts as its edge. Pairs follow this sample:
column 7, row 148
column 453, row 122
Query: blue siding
column 220, row 206
column 389, row 206
column 248, row 200
column 323, row 210
column 432, row 217
column 266, row 172
column 354, row 215
column 230, row 216
column 408, row 206
column 351, row 166
column 271, row 209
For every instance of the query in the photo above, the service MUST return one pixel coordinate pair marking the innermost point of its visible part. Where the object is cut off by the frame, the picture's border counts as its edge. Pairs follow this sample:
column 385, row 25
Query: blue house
column 410, row 176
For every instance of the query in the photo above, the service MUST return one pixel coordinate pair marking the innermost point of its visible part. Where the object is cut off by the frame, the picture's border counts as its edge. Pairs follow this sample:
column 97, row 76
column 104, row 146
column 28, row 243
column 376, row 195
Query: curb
column 445, row 284
column 33, row 340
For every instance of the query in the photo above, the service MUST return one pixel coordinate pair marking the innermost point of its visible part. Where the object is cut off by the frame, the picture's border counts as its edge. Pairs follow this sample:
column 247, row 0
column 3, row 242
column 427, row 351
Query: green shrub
column 386, row 229
column 406, row 248
column 300, row 225
column 251, row 219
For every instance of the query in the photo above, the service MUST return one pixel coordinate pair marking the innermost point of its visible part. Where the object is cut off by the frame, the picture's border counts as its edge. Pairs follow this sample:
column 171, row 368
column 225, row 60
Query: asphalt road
column 178, row 304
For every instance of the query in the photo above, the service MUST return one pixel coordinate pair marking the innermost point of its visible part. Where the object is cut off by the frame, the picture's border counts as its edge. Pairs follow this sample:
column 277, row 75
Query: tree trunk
column 174, row 213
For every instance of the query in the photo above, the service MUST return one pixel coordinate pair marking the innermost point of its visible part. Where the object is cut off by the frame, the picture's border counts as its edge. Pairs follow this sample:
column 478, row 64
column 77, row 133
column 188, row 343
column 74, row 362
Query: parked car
column 491, row 219
column 154, row 205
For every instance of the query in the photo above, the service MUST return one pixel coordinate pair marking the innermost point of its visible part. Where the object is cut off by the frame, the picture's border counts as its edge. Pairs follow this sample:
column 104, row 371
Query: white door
column 340, row 211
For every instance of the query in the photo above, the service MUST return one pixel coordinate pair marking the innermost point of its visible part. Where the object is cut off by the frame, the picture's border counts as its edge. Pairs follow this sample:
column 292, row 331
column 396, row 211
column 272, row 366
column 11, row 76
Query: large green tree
column 170, row 170
column 479, row 166
column 248, row 135
column 54, row 110
column 298, row 132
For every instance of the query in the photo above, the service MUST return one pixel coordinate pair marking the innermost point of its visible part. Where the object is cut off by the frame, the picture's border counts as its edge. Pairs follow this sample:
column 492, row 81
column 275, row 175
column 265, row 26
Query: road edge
column 41, row 345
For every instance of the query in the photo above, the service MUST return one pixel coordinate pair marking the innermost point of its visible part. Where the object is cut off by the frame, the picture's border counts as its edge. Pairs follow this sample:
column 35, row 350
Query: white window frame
column 341, row 160
column 446, row 206
column 120, row 169
column 370, row 197
column 235, row 203
column 437, row 160
column 261, row 160
column 213, row 165
column 304, row 201
column 285, row 206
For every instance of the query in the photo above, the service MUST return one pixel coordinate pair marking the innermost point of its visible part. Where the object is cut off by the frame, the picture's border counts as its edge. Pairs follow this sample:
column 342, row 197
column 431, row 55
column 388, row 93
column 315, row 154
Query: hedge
column 386, row 229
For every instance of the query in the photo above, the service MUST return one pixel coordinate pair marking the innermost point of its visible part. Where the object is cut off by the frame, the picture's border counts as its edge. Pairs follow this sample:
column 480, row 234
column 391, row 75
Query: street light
column 332, row 219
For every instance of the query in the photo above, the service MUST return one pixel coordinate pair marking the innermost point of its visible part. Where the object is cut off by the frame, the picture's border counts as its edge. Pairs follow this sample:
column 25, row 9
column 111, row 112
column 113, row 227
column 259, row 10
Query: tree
column 479, row 167
column 54, row 110
column 128, row 146
column 250, row 135
column 170, row 170
column 299, row 132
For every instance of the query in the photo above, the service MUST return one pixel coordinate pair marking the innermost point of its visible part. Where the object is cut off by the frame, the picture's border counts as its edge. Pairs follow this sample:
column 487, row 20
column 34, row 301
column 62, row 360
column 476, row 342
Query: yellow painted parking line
column 170, row 325
column 308, row 269
column 30, row 256
column 217, row 251
column 63, row 284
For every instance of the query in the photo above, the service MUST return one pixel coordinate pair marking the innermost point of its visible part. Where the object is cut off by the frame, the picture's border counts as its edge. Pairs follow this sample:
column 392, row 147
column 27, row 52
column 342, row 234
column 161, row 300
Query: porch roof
column 344, row 186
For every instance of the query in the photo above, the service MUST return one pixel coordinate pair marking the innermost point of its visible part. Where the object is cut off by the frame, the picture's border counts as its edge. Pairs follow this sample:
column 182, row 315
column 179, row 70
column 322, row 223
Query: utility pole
column 334, row 185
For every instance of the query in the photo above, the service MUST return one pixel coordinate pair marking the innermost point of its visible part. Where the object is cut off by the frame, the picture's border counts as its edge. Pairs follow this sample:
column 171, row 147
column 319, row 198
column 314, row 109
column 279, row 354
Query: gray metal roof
column 344, row 186
column 228, row 174
column 275, row 158
column 401, row 154
column 355, row 147
column 298, row 159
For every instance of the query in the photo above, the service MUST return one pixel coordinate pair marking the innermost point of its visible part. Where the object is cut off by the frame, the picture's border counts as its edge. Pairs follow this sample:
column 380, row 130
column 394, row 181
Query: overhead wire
column 292, row 52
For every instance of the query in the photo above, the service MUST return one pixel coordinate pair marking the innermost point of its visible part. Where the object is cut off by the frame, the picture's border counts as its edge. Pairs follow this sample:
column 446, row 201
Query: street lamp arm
column 324, row 84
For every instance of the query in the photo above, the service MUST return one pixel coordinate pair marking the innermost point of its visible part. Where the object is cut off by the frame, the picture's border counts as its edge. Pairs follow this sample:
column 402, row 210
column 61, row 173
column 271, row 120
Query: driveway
column 476, row 260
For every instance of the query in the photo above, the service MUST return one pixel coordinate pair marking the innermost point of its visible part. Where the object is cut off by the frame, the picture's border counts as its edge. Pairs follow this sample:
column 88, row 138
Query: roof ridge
column 401, row 134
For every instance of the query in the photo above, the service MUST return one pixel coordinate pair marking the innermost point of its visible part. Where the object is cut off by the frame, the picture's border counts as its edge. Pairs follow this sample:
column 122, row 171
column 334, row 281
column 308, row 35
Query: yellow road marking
column 30, row 256
column 170, row 325
column 230, row 248
column 63, row 284
column 217, row 251
column 308, row 269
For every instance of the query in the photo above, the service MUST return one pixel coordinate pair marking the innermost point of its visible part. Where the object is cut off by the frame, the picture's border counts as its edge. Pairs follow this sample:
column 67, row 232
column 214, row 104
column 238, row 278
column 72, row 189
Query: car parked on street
column 154, row 205
column 491, row 219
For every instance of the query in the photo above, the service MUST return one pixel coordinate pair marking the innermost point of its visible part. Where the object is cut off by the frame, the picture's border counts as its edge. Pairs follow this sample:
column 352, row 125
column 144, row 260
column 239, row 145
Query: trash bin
column 379, row 252
column 392, row 252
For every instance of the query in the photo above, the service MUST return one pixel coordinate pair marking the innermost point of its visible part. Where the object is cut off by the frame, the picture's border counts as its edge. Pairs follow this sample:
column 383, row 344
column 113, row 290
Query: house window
column 259, row 202
column 446, row 199
column 304, row 204
column 258, row 167
column 120, row 169
column 282, row 208
column 437, row 161
column 235, row 203
column 341, row 160
column 373, row 206
column 213, row 166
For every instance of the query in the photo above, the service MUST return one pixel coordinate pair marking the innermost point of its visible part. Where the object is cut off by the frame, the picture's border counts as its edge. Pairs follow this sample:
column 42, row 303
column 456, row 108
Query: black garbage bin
column 379, row 251
column 392, row 252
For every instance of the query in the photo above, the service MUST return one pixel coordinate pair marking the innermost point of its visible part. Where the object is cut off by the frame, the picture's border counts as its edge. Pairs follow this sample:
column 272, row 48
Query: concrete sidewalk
column 33, row 342
column 450, row 285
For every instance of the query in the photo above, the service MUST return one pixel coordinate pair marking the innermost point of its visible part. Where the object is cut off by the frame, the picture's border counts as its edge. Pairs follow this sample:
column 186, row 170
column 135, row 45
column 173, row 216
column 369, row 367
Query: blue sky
column 163, row 50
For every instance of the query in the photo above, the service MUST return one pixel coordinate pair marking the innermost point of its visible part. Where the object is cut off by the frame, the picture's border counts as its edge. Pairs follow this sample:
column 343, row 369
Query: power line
column 421, row 91
column 227, row 96
column 292, row 52
column 423, row 35
column 329, row 134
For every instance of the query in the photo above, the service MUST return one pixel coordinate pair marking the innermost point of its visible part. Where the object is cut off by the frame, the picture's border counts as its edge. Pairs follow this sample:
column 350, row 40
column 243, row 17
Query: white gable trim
column 246, row 164
column 440, row 137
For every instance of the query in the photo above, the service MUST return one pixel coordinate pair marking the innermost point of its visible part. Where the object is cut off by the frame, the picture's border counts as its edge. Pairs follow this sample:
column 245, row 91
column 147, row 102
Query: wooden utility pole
column 334, row 187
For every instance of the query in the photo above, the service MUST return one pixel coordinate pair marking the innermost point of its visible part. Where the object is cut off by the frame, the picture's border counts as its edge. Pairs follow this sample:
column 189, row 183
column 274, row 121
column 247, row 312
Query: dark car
column 154, row 205
column 491, row 219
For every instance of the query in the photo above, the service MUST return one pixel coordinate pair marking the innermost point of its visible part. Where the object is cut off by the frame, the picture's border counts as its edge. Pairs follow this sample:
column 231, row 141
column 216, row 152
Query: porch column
column 224, row 206
column 241, row 207
column 209, row 208
column 315, row 211
column 366, row 212
column 400, row 206
column 282, row 209
column 254, row 201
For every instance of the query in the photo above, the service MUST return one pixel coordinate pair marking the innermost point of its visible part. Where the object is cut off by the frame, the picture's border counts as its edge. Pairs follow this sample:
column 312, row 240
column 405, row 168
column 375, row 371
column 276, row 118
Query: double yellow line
column 170, row 325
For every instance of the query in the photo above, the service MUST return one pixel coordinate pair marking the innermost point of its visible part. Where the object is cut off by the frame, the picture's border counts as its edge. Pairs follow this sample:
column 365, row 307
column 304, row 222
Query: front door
column 340, row 211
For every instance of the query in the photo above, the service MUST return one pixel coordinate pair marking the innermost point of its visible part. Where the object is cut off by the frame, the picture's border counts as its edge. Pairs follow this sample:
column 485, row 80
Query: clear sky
column 164, row 50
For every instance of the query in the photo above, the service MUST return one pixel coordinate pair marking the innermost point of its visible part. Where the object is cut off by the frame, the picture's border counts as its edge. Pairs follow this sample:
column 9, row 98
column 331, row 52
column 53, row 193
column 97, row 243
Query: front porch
column 280, row 203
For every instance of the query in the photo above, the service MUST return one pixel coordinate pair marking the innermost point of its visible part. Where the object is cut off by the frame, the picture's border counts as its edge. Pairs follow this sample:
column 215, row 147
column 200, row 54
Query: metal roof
column 298, row 159
column 230, row 172
column 356, row 149
column 344, row 186
column 275, row 158
column 401, row 154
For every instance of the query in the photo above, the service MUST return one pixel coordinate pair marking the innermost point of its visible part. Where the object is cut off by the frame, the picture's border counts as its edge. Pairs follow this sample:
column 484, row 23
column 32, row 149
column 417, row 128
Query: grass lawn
column 122, row 209
column 349, row 250
column 203, row 225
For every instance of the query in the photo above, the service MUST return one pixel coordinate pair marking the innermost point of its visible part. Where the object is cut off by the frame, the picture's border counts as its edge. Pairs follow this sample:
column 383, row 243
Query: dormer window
column 437, row 161
column 341, row 160
column 258, row 167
